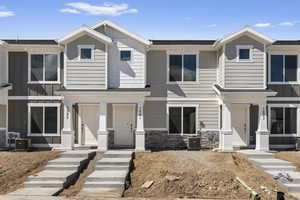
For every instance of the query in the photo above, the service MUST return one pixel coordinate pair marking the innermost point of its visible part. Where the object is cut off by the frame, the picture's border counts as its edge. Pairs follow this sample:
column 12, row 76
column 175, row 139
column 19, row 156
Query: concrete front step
column 104, row 184
column 251, row 154
column 108, row 175
column 59, row 175
column 293, row 174
column 114, row 161
column 67, row 161
column 281, row 168
column 62, row 167
column 111, row 167
column 77, row 154
column 118, row 154
column 273, row 162
column 292, row 187
column 48, row 184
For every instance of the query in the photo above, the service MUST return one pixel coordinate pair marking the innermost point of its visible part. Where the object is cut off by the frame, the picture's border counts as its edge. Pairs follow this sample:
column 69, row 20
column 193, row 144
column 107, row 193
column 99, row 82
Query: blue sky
column 152, row 19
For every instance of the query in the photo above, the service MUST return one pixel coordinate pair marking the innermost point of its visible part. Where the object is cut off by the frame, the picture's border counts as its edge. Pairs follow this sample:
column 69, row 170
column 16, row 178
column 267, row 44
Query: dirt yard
column 292, row 156
column 204, row 174
column 15, row 167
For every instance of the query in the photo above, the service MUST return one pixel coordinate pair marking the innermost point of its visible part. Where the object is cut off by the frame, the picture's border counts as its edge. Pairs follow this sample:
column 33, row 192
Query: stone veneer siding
column 161, row 140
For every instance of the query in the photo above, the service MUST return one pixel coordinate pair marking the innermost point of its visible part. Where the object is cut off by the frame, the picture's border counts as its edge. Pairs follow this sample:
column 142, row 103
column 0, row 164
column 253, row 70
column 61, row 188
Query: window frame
column 297, row 106
column 44, row 68
column 182, row 65
column 92, row 47
column 130, row 60
column 250, row 47
column 196, row 106
column 43, row 105
column 270, row 68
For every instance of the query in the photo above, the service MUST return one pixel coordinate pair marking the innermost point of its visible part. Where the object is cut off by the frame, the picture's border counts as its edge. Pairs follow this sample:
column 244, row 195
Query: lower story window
column 182, row 120
column 43, row 119
column 283, row 120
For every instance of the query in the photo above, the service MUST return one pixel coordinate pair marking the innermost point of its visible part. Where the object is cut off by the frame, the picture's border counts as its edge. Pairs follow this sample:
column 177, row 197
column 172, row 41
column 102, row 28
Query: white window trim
column 284, row 106
column 44, row 71
column 182, row 106
column 250, row 47
column 92, row 47
column 30, row 105
column 182, row 81
column 283, row 82
column 131, row 55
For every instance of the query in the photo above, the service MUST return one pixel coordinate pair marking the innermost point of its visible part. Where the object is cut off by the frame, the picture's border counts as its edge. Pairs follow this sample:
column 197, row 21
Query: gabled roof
column 182, row 42
column 81, row 31
column 122, row 30
column 244, row 31
column 31, row 42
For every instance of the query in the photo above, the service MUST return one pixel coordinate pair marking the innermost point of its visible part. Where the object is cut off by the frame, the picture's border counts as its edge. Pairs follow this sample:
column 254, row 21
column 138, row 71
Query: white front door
column 240, row 124
column 89, row 124
column 124, row 123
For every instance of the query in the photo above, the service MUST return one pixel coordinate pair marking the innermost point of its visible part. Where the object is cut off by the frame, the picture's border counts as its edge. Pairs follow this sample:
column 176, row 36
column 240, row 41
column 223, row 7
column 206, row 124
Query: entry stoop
column 110, row 174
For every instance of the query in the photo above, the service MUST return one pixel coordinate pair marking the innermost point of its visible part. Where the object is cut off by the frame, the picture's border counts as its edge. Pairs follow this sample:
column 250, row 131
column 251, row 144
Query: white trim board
column 35, row 98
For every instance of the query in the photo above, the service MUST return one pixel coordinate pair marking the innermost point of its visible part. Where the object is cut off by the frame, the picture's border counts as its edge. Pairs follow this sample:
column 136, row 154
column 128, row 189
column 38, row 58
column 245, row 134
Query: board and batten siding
column 157, row 77
column 244, row 74
column 82, row 74
column 125, row 74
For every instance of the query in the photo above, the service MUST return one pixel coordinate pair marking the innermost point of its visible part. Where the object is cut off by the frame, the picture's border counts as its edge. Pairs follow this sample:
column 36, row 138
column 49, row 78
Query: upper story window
column 182, row 68
column 44, row 68
column 125, row 55
column 244, row 53
column 284, row 68
column 86, row 52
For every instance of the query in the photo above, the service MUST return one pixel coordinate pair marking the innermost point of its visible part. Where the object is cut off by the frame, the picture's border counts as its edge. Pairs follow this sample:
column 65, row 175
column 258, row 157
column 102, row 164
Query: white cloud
column 262, row 25
column 287, row 23
column 69, row 10
column 212, row 25
column 105, row 9
column 7, row 13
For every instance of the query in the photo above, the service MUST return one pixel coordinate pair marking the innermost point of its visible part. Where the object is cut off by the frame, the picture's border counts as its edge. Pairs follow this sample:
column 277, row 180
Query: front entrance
column 89, row 124
column 123, row 124
column 240, row 124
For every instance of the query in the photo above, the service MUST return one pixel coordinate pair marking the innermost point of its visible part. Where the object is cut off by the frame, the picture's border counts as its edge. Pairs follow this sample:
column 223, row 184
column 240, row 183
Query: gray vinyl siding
column 157, row 77
column 86, row 74
column 18, row 76
column 244, row 74
column 220, row 67
column 18, row 122
column 155, row 114
column 208, row 115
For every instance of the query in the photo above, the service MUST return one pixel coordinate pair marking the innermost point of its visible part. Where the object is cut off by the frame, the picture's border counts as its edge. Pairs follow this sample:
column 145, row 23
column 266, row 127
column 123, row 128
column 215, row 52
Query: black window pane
column 276, row 68
column 276, row 120
column 51, row 65
column 175, row 68
column 290, row 120
column 244, row 54
column 36, row 120
column 189, row 120
column 86, row 53
column 37, row 67
column 291, row 68
column 175, row 120
column 189, row 67
column 125, row 55
column 51, row 120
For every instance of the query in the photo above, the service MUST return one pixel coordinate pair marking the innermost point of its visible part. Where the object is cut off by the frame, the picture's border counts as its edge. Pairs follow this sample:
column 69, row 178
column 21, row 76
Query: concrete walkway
column 58, row 174
column 272, row 166
column 109, row 178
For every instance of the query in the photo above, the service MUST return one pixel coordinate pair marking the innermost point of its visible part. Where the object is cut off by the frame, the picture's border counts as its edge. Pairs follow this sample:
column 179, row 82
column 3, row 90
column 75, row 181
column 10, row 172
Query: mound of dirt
column 15, row 167
column 202, row 174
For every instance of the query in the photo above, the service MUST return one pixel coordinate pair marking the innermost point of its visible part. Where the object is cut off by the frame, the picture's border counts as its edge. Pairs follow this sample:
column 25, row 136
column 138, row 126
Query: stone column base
column 262, row 141
column 102, row 140
column 67, row 140
column 225, row 144
column 140, row 141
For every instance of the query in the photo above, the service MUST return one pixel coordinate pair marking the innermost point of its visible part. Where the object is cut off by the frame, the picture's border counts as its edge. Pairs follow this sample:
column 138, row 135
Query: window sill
column 44, row 82
column 283, row 83
column 284, row 135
